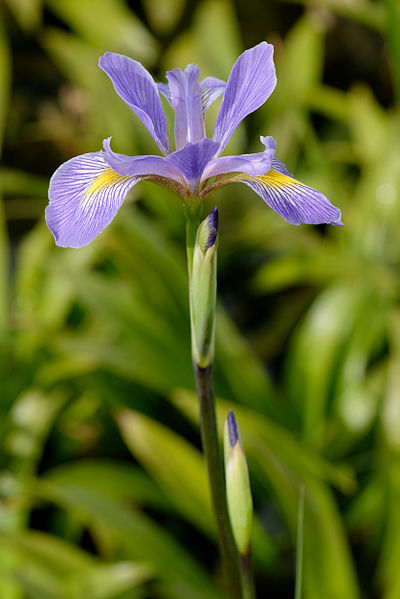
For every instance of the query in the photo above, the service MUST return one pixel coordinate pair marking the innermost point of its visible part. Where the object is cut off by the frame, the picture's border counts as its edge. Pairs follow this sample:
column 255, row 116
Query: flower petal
column 163, row 88
column 250, row 164
column 295, row 202
column 142, row 165
column 186, row 102
column 185, row 166
column 192, row 159
column 85, row 195
column 136, row 87
column 212, row 88
column 251, row 82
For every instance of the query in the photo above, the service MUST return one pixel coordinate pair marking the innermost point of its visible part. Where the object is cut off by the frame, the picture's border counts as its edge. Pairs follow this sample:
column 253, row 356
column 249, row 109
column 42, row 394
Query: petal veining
column 85, row 195
column 185, row 166
column 211, row 88
column 192, row 159
column 163, row 88
column 294, row 201
column 251, row 82
column 136, row 87
column 186, row 101
column 250, row 164
column 142, row 165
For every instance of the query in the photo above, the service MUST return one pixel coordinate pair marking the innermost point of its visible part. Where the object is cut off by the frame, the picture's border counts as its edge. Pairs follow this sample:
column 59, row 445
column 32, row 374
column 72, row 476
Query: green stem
column 209, row 435
column 210, row 442
column 192, row 222
column 299, row 549
column 246, row 571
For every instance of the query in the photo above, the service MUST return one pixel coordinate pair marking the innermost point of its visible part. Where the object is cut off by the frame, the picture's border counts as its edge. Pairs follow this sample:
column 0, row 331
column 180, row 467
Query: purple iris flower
column 86, row 192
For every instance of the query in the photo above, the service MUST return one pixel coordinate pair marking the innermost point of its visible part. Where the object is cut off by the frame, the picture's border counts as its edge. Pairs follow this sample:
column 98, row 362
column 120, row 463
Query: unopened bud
column 208, row 231
column 204, row 289
column 238, row 493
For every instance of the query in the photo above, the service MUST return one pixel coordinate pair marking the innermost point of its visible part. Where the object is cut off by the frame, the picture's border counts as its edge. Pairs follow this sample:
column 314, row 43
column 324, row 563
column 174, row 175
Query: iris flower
column 87, row 191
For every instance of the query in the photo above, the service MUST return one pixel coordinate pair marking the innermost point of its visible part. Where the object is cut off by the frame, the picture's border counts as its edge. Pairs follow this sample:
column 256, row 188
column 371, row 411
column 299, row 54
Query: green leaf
column 304, row 45
column 322, row 334
column 280, row 463
column 51, row 552
column 5, row 80
column 182, row 475
column 115, row 27
column 176, row 465
column 19, row 183
column 108, row 581
column 111, row 478
column 137, row 535
column 242, row 369
column 213, row 19
column 4, row 274
column 164, row 15
column 9, row 588
column 27, row 13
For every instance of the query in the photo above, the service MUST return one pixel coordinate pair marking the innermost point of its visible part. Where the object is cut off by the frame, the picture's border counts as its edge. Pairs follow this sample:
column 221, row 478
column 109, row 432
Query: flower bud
column 238, row 493
column 203, row 290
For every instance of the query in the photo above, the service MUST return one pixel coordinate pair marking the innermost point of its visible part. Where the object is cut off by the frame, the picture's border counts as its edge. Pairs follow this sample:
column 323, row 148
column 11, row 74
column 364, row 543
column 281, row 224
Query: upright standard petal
column 251, row 82
column 211, row 88
column 136, row 87
column 164, row 90
column 186, row 102
column 295, row 202
column 85, row 195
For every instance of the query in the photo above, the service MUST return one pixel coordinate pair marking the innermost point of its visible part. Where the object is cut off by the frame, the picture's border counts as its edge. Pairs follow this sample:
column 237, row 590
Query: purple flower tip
column 233, row 430
column 212, row 226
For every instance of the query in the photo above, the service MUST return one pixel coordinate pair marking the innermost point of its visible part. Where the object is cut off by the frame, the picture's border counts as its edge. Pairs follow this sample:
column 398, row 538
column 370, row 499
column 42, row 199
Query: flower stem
column 299, row 548
column 209, row 435
column 247, row 577
column 210, row 442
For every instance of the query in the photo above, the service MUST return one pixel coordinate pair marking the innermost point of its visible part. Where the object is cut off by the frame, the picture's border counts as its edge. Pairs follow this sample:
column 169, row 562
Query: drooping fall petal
column 85, row 195
column 294, row 201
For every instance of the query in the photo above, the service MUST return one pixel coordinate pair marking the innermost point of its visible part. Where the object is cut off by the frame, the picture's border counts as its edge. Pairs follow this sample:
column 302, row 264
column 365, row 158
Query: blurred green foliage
column 103, row 486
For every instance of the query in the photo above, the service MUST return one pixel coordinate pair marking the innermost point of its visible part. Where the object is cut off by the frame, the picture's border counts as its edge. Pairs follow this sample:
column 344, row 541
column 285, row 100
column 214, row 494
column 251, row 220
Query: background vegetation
column 103, row 489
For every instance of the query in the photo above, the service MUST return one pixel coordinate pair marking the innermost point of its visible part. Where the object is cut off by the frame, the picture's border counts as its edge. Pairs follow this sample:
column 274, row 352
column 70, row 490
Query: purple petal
column 185, row 165
column 250, row 164
column 142, row 165
column 85, row 195
column 295, row 202
column 251, row 82
column 163, row 88
column 212, row 88
column 186, row 102
column 136, row 87
column 192, row 159
column 233, row 431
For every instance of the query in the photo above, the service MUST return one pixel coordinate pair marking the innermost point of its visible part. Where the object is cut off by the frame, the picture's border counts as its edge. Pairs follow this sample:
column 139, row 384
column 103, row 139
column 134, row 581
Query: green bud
column 203, row 290
column 238, row 493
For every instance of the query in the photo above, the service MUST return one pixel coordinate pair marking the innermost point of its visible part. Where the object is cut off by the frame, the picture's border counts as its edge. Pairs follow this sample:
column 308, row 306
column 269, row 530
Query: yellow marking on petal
column 278, row 180
column 107, row 178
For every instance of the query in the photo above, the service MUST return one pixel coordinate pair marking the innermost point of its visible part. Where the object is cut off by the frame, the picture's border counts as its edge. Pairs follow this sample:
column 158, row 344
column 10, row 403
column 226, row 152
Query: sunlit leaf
column 115, row 27
column 279, row 464
column 136, row 534
column 163, row 15
column 27, row 12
